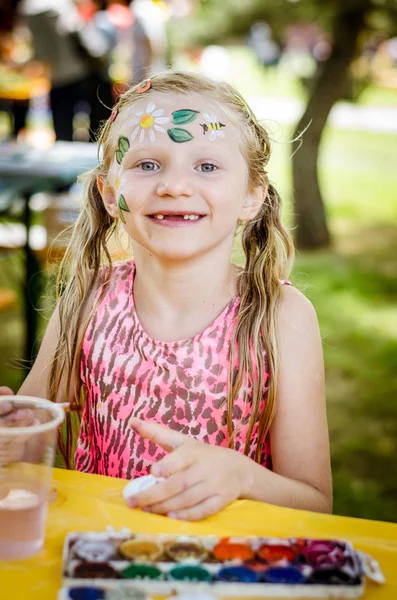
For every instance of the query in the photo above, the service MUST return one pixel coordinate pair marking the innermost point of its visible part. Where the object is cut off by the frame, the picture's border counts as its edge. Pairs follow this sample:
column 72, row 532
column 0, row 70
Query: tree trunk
column 330, row 86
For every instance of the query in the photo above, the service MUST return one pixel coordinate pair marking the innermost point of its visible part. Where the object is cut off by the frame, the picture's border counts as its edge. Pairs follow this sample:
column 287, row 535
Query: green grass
column 378, row 96
column 359, row 181
column 250, row 78
column 353, row 287
column 354, row 290
column 248, row 75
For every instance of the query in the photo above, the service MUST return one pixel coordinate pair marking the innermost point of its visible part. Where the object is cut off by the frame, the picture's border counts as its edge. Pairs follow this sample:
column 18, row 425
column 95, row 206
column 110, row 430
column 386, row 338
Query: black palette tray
column 101, row 592
column 255, row 567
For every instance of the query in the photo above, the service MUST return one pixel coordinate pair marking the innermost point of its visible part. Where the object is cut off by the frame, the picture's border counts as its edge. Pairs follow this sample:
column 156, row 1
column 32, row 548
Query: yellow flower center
column 147, row 121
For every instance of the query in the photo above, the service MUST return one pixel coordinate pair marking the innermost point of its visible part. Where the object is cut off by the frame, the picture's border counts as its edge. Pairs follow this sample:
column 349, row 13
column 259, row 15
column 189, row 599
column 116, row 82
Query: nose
column 175, row 184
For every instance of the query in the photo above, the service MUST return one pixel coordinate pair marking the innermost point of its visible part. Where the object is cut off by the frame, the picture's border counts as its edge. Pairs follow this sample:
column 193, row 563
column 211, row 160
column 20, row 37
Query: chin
column 176, row 256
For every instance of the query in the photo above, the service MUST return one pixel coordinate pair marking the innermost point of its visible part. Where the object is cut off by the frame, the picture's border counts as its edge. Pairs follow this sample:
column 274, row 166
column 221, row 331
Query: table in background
column 23, row 83
column 92, row 502
column 24, row 171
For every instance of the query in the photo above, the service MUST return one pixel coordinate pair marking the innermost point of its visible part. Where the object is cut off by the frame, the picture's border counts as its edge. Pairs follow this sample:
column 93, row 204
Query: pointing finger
column 159, row 434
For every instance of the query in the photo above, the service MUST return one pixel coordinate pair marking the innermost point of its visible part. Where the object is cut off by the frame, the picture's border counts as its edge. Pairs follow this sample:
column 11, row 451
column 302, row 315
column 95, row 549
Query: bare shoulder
column 298, row 333
column 296, row 312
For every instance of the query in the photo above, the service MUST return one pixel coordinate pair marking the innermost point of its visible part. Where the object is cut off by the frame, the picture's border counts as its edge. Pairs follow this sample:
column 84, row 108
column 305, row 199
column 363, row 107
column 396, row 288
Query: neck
column 178, row 299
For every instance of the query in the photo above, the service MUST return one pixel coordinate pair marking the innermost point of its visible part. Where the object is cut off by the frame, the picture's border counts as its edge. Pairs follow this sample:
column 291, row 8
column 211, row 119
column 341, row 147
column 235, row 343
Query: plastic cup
column 28, row 437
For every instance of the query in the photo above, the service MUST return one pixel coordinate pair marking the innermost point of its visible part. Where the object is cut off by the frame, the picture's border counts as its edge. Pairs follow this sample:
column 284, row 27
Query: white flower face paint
column 213, row 126
column 119, row 182
column 149, row 120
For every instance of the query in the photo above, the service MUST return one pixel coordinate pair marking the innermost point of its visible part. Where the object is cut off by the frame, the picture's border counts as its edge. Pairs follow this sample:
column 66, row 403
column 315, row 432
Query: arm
column 299, row 440
column 299, row 433
column 36, row 382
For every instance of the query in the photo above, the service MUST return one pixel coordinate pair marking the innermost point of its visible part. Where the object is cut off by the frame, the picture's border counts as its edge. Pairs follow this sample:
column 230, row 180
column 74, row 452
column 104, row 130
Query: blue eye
column 208, row 168
column 148, row 166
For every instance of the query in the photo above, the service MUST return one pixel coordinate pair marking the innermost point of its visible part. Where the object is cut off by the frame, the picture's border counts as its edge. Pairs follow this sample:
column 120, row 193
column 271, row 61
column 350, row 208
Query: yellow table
column 91, row 502
column 22, row 84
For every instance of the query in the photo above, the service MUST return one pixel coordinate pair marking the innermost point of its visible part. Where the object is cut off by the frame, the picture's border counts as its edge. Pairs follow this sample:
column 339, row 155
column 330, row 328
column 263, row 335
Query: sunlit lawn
column 354, row 289
column 250, row 78
column 353, row 286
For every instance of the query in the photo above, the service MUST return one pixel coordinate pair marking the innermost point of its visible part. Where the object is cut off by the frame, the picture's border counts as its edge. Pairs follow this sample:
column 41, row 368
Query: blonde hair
column 266, row 244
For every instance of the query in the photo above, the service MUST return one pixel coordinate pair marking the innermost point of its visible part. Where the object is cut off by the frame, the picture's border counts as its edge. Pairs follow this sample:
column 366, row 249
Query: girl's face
column 178, row 179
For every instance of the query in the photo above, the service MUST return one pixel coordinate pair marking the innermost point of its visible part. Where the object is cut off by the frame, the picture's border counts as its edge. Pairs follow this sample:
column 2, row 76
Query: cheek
column 115, row 171
column 229, row 204
column 120, row 183
column 124, row 189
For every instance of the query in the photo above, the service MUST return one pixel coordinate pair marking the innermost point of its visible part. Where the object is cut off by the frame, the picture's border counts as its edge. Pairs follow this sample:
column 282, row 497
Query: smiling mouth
column 176, row 217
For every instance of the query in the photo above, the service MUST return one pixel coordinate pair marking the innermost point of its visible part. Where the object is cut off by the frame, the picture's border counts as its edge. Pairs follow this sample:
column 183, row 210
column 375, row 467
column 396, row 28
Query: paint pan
column 166, row 565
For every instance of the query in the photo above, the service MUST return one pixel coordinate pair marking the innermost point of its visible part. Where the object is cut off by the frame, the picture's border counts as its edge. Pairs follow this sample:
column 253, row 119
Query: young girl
column 190, row 368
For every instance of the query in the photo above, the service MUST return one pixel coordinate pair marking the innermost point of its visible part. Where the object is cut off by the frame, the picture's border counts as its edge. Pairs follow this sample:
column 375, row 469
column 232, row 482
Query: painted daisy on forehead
column 150, row 120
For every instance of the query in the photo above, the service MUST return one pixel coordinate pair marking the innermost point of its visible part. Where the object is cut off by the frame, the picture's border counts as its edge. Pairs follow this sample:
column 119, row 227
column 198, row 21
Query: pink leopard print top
column 179, row 384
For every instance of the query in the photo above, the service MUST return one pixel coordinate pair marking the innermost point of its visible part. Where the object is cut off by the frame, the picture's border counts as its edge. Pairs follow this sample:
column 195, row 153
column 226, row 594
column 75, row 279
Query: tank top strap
column 122, row 276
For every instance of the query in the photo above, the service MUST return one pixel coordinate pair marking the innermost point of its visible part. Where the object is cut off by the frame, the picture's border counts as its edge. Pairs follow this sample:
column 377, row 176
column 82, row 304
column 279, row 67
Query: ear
column 252, row 203
column 108, row 194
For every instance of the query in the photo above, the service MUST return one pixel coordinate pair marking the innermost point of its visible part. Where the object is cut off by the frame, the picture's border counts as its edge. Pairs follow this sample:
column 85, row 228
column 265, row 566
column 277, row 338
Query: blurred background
column 322, row 76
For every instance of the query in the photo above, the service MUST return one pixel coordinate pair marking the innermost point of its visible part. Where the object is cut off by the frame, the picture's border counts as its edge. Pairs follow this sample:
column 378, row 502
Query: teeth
column 185, row 217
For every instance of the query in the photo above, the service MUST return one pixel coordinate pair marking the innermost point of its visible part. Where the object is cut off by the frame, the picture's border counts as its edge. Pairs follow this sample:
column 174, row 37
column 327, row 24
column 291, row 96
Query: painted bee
column 212, row 125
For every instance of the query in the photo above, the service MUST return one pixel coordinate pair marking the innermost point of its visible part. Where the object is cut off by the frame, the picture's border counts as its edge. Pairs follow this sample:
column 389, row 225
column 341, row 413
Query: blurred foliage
column 349, row 24
column 223, row 20
column 354, row 290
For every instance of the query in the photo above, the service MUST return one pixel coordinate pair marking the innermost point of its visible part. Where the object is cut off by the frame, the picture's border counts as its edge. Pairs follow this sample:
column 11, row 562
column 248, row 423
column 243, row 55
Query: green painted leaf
column 119, row 156
column 179, row 135
column 184, row 116
column 122, row 217
column 124, row 144
column 123, row 203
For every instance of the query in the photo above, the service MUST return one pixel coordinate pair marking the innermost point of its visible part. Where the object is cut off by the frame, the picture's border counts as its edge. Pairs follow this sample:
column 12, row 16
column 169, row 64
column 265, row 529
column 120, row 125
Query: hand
column 6, row 391
column 12, row 448
column 199, row 479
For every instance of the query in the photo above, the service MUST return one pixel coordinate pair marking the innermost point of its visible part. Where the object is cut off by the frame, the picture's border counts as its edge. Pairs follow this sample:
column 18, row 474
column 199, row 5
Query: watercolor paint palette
column 101, row 592
column 255, row 567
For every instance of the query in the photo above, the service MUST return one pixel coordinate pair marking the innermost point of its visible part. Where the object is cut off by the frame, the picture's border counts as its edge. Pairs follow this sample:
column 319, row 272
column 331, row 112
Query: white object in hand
column 135, row 486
